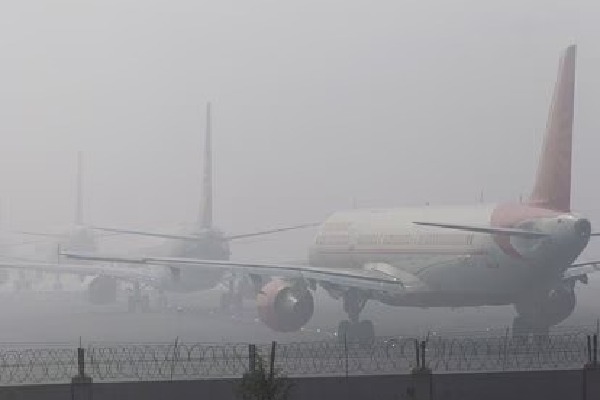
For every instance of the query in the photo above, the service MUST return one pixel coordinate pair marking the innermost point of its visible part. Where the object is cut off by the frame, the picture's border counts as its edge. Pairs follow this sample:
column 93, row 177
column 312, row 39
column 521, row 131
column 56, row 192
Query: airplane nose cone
column 583, row 227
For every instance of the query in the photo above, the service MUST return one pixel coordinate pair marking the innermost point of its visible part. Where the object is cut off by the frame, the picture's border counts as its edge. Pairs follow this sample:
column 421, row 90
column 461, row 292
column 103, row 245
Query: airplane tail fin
column 79, row 205
column 552, row 189
column 206, row 206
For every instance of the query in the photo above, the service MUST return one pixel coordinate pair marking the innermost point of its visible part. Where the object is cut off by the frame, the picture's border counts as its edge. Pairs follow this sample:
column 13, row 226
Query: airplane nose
column 583, row 227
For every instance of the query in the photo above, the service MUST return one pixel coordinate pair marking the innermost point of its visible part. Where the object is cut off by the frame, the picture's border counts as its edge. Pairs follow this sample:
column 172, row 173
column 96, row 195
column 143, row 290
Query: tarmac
column 43, row 315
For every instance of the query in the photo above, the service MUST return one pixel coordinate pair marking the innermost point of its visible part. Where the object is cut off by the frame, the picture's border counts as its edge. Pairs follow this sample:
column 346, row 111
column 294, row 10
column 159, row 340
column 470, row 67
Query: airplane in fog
column 76, row 237
column 519, row 254
column 203, row 240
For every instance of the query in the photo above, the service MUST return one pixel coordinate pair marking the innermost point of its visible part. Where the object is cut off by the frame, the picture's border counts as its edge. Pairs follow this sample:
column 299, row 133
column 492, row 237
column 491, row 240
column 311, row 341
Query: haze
column 317, row 106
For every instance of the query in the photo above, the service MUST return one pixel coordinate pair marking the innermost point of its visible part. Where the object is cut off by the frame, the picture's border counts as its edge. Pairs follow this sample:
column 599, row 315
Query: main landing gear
column 233, row 298
column 138, row 300
column 354, row 330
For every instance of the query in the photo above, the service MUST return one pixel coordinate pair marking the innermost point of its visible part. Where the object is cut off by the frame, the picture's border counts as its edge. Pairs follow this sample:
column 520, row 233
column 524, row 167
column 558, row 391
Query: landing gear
column 233, row 299
column 362, row 331
column 163, row 302
column 523, row 327
column 23, row 282
column 138, row 300
column 57, row 285
column 354, row 330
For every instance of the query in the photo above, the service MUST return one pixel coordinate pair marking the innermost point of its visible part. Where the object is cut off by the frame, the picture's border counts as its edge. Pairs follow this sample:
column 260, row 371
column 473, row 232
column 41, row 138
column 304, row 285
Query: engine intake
column 284, row 307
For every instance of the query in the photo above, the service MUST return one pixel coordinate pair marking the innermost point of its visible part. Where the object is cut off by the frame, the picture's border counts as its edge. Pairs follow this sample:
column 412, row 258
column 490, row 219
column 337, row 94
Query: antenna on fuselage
column 205, row 218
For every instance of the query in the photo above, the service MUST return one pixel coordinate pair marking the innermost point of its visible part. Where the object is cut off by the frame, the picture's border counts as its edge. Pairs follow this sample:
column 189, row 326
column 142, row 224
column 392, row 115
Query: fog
column 317, row 106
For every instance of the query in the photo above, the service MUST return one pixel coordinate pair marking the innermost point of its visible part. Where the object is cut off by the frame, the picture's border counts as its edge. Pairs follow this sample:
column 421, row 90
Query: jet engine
column 102, row 290
column 283, row 306
column 555, row 307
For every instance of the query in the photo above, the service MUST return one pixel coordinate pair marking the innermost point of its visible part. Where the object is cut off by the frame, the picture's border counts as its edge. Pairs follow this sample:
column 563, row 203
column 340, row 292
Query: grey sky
column 315, row 103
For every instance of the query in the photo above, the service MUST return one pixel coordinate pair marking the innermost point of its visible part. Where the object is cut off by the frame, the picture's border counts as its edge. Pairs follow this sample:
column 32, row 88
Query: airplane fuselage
column 453, row 267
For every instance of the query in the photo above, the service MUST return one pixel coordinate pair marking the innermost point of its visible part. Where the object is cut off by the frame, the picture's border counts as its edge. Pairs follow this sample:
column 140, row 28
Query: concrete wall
column 547, row 385
column 509, row 385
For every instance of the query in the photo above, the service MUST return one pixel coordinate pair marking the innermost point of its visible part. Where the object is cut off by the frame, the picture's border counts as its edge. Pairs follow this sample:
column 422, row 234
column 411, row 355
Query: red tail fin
column 552, row 188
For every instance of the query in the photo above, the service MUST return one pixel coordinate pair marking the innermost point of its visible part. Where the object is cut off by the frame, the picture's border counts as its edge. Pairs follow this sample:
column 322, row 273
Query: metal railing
column 389, row 355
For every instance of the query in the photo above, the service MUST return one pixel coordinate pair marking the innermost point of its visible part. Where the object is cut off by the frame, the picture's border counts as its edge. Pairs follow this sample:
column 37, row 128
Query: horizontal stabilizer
column 486, row 229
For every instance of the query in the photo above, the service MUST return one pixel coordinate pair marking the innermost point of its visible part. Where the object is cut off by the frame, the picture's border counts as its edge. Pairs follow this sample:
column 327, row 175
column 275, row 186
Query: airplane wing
column 43, row 234
column 364, row 279
column 196, row 237
column 271, row 231
column 580, row 269
column 127, row 274
column 146, row 233
column 485, row 229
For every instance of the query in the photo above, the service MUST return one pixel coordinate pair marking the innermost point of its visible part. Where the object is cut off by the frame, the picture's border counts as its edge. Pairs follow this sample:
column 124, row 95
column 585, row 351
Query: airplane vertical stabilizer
column 552, row 187
column 206, row 206
column 79, row 205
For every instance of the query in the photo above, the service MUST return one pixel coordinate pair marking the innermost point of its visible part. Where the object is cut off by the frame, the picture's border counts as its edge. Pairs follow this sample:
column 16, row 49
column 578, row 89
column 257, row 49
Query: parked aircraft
column 204, row 240
column 521, row 254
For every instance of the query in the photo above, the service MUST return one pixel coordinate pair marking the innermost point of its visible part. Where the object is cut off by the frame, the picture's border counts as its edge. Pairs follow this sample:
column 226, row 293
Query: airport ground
column 42, row 315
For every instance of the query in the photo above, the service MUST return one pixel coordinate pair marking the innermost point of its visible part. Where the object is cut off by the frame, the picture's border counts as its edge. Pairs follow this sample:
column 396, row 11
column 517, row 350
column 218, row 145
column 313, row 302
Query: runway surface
column 45, row 316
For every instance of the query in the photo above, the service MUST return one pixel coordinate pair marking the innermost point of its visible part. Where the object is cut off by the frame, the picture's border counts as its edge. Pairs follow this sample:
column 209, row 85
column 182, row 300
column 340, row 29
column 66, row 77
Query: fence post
column 589, row 350
column 595, row 351
column 252, row 357
column 421, row 377
column 272, row 363
column 418, row 353
column 81, row 384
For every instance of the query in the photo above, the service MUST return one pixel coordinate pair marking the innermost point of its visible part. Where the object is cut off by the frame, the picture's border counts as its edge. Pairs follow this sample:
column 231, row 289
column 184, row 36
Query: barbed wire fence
column 387, row 355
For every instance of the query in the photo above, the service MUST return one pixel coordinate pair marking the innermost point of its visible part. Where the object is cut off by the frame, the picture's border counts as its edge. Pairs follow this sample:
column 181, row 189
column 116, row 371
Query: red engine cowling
column 284, row 307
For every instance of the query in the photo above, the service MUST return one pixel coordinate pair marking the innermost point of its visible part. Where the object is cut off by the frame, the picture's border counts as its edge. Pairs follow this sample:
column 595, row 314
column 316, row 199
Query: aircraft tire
column 131, row 304
column 363, row 331
column 163, row 302
column 520, row 328
column 237, row 302
column 225, row 303
column 145, row 303
column 366, row 331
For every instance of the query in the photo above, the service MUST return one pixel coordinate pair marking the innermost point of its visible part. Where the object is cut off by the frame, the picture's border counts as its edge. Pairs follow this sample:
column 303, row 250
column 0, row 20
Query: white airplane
column 501, row 254
column 203, row 240
column 76, row 237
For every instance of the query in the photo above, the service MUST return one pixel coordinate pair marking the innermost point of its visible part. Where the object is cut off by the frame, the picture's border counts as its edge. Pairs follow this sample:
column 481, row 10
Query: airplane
column 520, row 254
column 202, row 240
column 76, row 237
